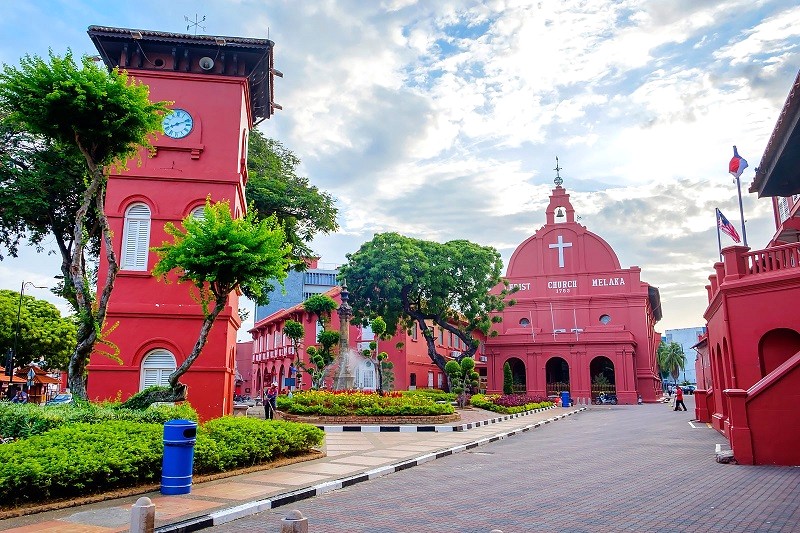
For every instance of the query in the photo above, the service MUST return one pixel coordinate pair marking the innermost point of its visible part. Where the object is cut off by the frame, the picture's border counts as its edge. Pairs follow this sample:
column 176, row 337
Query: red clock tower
column 221, row 87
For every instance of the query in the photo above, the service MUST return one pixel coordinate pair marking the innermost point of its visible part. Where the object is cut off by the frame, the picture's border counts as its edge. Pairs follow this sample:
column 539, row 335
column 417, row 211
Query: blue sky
column 442, row 120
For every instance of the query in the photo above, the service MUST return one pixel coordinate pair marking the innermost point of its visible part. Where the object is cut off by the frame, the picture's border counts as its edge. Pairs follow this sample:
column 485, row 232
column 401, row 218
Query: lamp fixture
column 136, row 34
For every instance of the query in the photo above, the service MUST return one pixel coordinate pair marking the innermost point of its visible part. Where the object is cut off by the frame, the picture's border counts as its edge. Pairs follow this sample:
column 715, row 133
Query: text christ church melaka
column 581, row 323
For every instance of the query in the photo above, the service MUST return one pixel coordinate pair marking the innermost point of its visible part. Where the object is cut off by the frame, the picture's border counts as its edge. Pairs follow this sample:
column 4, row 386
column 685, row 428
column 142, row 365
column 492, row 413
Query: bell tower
column 221, row 87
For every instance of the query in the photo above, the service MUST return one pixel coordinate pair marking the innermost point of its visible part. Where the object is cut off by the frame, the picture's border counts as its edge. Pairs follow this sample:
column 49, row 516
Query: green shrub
column 80, row 458
column 83, row 458
column 437, row 395
column 327, row 403
column 486, row 401
column 23, row 421
column 241, row 441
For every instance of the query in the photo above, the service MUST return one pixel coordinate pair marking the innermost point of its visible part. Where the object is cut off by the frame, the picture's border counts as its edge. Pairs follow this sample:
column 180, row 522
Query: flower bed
column 509, row 403
column 358, row 403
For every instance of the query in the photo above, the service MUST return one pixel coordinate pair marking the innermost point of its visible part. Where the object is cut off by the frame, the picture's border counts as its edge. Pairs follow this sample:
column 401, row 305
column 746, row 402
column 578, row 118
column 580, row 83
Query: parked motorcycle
column 604, row 399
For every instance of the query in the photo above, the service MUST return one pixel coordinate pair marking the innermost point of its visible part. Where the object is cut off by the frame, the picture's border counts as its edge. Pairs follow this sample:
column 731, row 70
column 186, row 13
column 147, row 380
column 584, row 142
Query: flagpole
column 553, row 320
column 741, row 210
column 533, row 333
column 719, row 239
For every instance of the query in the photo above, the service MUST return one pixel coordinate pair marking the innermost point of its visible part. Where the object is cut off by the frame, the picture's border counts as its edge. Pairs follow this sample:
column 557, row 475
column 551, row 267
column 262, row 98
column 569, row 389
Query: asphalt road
column 615, row 468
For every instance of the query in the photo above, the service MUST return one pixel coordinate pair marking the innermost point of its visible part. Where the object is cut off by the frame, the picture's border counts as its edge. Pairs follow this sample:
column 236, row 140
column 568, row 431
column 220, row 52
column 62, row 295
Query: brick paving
column 615, row 468
column 348, row 454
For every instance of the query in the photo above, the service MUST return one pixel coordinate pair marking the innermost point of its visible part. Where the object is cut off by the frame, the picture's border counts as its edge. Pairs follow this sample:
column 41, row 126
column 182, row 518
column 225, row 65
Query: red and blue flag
column 737, row 164
column 726, row 227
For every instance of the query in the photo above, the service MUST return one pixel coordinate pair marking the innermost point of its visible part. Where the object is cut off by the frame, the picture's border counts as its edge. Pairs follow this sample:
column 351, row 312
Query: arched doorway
column 776, row 347
column 519, row 384
column 601, row 371
column 556, row 375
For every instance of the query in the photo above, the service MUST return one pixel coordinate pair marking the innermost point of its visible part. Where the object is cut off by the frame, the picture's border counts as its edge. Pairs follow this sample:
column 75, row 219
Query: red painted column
column 739, row 432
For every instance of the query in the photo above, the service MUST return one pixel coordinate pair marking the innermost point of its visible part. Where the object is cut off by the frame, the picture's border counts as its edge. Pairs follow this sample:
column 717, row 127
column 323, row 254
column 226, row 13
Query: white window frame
column 136, row 237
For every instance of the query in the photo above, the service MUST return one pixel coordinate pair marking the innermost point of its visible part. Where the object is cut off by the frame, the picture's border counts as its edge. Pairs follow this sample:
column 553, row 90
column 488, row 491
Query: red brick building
column 274, row 355
column 221, row 87
column 753, row 321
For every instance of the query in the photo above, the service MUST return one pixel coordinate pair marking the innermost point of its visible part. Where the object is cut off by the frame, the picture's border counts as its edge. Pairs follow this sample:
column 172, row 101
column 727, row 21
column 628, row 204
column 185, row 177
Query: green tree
column 321, row 358
column 295, row 331
column 462, row 377
column 219, row 254
column 508, row 379
column 321, row 305
column 43, row 332
column 105, row 116
column 274, row 188
column 671, row 359
column 411, row 282
column 379, row 359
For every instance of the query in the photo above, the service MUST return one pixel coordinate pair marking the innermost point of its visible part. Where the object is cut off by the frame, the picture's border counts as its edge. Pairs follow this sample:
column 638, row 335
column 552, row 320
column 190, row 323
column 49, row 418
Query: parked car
column 688, row 389
column 60, row 399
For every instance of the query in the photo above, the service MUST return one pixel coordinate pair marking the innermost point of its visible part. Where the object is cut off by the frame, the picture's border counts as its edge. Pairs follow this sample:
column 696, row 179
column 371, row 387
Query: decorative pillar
column 739, row 433
column 344, row 377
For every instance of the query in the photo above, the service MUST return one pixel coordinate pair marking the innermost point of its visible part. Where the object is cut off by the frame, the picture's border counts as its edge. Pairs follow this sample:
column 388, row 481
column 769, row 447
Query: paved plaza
column 621, row 468
column 602, row 468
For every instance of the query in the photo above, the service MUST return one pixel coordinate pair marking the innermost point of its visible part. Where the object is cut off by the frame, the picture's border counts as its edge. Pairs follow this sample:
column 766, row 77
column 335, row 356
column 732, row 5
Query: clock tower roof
column 134, row 50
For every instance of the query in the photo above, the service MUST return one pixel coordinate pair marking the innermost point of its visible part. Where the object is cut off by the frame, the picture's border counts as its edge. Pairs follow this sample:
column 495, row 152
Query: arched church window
column 524, row 322
column 136, row 240
column 605, row 319
column 156, row 368
column 199, row 212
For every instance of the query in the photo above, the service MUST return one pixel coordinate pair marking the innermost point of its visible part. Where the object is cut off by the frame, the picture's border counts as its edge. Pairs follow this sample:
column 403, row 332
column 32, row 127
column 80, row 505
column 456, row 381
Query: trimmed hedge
column 23, row 421
column 488, row 402
column 85, row 458
column 327, row 403
column 437, row 395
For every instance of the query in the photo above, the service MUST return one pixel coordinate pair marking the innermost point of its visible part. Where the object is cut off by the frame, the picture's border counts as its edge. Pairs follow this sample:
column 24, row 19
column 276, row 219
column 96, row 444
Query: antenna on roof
column 195, row 23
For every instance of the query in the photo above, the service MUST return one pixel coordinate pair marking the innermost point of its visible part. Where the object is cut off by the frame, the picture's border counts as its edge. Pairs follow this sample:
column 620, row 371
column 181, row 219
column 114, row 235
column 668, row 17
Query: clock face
column 178, row 124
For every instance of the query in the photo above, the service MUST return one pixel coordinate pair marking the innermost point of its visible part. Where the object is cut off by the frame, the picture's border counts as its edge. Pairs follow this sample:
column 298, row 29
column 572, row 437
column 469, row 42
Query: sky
column 442, row 119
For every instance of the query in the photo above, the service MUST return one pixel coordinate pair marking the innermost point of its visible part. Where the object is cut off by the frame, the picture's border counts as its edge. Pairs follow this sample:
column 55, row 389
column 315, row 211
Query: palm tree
column 671, row 359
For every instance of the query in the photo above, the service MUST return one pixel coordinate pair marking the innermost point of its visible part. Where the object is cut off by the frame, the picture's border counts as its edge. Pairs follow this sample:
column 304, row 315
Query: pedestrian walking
column 679, row 399
column 270, row 402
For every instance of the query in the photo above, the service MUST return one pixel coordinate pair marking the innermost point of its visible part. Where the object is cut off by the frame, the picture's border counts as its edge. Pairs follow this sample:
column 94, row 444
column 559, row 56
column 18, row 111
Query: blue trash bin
column 564, row 398
column 176, row 467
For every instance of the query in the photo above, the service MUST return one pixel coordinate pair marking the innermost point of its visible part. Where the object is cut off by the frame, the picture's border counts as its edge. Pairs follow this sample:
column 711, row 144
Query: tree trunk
column 179, row 390
column 87, row 330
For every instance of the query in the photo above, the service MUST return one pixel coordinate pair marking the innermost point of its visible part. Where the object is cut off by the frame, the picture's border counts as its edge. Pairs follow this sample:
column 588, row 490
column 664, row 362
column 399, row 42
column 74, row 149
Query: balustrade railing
column 781, row 257
column 274, row 353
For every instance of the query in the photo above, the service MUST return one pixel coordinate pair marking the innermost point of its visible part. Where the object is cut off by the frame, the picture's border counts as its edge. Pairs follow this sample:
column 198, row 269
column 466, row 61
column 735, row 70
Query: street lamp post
column 13, row 354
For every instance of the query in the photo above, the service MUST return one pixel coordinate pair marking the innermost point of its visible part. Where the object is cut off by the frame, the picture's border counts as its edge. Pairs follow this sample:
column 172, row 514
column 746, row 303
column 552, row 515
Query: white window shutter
column 136, row 240
column 156, row 368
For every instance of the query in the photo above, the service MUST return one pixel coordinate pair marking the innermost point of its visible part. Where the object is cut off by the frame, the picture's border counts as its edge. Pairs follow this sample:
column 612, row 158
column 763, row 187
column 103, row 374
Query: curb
column 246, row 509
column 433, row 428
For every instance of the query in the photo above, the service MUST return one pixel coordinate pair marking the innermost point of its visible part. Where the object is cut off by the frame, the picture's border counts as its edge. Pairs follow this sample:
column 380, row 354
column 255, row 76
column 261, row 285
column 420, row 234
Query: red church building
column 582, row 323
column 753, row 339
column 221, row 87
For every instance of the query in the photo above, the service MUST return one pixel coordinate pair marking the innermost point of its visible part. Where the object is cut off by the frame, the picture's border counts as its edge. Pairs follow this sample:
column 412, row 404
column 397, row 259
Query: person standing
column 679, row 399
column 270, row 401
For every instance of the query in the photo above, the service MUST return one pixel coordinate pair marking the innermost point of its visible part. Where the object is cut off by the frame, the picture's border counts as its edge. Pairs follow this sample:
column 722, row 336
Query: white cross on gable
column 561, row 245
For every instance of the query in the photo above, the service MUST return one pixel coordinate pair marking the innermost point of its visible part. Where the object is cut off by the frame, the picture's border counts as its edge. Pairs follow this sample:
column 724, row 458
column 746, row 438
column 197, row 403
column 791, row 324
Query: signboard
column 288, row 382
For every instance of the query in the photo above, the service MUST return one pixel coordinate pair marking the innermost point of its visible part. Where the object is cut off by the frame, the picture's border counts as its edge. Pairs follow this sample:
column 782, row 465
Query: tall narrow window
column 136, row 240
column 156, row 368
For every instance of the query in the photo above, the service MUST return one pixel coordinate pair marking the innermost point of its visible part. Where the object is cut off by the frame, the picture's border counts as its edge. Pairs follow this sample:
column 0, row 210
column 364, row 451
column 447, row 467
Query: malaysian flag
column 737, row 165
column 726, row 227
